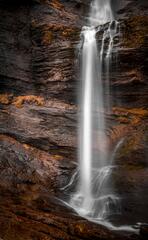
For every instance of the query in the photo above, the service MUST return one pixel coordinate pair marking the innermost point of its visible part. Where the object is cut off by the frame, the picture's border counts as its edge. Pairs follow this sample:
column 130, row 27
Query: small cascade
column 106, row 56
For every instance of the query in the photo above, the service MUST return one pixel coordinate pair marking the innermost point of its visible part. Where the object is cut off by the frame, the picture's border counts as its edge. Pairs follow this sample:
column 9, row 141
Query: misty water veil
column 94, row 197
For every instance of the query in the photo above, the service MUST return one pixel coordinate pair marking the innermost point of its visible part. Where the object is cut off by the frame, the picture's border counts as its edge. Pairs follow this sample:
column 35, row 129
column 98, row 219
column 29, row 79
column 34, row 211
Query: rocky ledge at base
column 30, row 209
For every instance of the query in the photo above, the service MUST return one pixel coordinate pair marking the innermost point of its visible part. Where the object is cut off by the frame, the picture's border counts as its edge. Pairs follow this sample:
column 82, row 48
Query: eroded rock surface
column 39, row 83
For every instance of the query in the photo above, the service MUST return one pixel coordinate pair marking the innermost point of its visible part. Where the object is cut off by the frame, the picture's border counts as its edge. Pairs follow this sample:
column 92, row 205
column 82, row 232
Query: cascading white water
column 94, row 197
column 100, row 12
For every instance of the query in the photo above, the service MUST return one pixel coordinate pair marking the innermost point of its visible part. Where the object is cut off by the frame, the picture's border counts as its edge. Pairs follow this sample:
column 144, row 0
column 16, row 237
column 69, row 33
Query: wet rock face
column 129, row 81
column 37, row 61
column 39, row 83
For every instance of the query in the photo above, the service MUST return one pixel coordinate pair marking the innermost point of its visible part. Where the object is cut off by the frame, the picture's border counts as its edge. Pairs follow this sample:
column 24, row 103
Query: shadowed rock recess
column 39, row 84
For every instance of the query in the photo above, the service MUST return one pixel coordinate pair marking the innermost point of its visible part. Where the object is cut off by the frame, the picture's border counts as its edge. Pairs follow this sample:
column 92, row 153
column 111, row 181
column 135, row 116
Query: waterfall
column 94, row 198
column 90, row 191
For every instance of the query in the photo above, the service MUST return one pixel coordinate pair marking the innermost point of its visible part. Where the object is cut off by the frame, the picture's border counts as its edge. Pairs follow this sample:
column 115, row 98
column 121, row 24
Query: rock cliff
column 39, row 84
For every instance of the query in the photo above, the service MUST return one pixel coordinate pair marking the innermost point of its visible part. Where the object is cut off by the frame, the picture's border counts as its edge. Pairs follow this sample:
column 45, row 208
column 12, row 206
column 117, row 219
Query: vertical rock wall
column 38, row 115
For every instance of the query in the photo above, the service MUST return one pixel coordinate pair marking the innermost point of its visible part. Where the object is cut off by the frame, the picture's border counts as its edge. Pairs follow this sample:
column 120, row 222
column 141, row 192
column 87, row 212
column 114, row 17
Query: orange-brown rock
column 39, row 84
